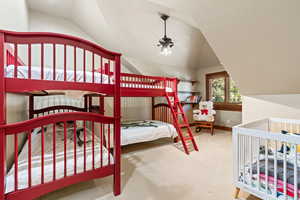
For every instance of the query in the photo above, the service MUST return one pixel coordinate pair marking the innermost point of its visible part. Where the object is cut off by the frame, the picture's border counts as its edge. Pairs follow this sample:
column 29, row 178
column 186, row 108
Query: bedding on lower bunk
column 48, row 157
column 147, row 130
column 270, row 163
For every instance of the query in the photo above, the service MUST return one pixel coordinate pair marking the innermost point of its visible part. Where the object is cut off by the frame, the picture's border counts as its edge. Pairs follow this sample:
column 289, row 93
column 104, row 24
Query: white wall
column 264, row 106
column 223, row 118
column 13, row 16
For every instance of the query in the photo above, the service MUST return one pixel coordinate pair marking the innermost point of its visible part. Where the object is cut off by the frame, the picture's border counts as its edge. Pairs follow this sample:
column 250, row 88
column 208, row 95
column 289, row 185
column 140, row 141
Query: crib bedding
column 48, row 158
column 59, row 76
column 144, row 131
column 271, row 175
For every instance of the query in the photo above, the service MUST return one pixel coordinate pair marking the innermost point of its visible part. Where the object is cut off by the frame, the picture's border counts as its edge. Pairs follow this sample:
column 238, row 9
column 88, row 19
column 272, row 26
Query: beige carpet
column 159, row 170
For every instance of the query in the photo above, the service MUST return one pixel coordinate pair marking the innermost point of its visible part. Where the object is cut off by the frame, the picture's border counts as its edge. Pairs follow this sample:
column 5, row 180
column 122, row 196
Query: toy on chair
column 204, row 116
column 205, row 112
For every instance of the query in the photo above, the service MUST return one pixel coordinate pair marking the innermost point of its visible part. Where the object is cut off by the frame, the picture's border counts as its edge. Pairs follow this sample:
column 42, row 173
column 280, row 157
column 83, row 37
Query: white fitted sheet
column 59, row 76
column 144, row 134
column 48, row 158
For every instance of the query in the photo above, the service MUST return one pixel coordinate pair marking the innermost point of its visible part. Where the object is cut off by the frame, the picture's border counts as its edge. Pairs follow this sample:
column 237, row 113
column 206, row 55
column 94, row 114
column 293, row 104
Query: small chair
column 204, row 117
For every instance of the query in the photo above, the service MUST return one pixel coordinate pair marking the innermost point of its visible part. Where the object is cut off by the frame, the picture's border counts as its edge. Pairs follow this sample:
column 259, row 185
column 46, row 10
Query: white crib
column 277, row 174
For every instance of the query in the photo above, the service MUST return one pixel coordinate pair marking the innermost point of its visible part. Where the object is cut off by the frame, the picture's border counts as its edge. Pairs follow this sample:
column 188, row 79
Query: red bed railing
column 90, row 63
column 41, row 122
column 18, row 76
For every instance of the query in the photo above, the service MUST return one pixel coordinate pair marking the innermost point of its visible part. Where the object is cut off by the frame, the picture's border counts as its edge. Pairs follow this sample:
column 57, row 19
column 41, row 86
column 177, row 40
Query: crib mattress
column 271, row 180
column 144, row 131
column 48, row 159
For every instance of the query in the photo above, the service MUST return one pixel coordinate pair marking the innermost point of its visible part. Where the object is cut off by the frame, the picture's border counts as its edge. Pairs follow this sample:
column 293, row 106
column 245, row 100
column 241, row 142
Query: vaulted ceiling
column 257, row 41
column 134, row 29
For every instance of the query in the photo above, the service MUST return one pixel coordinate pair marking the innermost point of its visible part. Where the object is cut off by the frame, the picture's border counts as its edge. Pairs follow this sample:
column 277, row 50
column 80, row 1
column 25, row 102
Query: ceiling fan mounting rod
column 165, row 17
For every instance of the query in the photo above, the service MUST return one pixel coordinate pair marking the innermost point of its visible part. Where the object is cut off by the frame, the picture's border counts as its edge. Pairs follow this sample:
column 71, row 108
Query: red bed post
column 117, row 128
column 31, row 106
column 101, row 105
column 153, row 111
column 2, row 119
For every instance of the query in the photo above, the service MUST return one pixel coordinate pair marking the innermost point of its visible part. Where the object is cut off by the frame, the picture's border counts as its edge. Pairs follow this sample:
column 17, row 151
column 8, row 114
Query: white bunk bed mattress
column 144, row 131
column 48, row 158
column 59, row 76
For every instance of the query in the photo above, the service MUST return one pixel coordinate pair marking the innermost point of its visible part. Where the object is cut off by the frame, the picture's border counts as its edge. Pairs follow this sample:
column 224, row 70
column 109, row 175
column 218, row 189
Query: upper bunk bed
column 89, row 64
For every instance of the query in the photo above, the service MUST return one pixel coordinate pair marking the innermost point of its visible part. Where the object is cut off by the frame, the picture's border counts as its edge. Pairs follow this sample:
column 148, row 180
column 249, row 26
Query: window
column 223, row 92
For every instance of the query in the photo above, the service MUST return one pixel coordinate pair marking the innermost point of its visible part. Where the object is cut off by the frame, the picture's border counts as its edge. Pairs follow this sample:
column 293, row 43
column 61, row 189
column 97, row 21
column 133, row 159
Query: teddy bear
column 205, row 112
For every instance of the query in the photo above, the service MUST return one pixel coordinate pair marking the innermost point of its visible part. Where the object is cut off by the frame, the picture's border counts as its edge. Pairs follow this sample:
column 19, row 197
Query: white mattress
column 138, row 134
column 59, row 76
column 48, row 158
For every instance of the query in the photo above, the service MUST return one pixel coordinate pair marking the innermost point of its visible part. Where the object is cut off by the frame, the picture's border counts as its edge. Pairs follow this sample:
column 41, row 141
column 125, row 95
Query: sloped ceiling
column 134, row 29
column 257, row 41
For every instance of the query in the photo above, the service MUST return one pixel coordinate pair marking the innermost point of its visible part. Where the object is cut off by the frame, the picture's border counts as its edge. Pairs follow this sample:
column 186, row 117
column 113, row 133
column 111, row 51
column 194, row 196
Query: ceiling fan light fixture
column 165, row 42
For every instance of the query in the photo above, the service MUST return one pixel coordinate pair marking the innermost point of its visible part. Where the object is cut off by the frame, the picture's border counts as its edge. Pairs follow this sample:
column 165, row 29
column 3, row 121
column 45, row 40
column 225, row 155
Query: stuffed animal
column 205, row 112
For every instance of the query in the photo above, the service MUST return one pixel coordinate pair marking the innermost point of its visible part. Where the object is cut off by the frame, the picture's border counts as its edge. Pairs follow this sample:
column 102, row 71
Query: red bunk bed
column 60, row 161
column 99, row 77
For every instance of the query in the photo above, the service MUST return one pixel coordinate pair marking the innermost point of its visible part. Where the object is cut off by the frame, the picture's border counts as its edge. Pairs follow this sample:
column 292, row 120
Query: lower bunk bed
column 57, row 159
column 266, row 158
column 145, row 131
column 132, row 132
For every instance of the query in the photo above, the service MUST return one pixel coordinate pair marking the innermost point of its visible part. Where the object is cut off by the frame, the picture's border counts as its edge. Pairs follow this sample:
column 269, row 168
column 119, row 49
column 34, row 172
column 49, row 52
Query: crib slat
column 258, row 166
column 275, row 169
column 266, row 166
column 29, row 158
column 93, row 145
column 42, row 155
column 284, row 170
column 16, row 161
column 251, row 160
column 244, row 157
column 29, row 61
column 295, row 174
column 75, row 144
column 54, row 152
column 65, row 149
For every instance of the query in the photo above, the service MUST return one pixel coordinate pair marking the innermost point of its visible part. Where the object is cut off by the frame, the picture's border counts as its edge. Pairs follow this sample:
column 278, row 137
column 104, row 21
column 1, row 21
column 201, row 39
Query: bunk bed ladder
column 177, row 110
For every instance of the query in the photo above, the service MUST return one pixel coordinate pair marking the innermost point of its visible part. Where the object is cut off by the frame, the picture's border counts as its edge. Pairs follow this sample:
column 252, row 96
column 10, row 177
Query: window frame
column 226, row 105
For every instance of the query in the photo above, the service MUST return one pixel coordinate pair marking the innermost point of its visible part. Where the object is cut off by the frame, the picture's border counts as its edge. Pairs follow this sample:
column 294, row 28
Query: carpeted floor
column 159, row 170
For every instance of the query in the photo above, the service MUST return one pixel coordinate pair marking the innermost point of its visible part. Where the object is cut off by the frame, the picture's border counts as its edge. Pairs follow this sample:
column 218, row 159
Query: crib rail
column 76, row 158
column 266, row 161
column 32, row 58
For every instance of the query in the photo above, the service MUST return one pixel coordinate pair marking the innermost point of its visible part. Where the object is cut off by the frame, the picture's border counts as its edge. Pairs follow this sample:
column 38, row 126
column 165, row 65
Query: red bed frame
column 12, row 40
column 119, row 84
